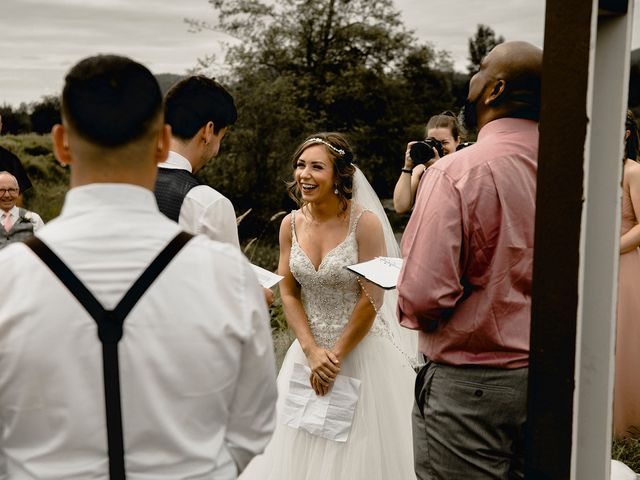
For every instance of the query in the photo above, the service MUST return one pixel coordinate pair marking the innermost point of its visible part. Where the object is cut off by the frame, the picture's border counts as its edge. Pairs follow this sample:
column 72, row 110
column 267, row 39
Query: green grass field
column 627, row 450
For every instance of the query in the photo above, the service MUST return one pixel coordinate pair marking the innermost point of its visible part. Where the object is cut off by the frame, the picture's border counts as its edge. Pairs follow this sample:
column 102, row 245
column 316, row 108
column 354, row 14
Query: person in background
column 443, row 128
column 465, row 283
column 199, row 111
column 9, row 162
column 17, row 223
column 626, row 397
column 128, row 347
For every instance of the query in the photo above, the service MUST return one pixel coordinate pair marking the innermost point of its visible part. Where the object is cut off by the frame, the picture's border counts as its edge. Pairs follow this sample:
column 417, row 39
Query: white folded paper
column 266, row 278
column 383, row 271
column 329, row 416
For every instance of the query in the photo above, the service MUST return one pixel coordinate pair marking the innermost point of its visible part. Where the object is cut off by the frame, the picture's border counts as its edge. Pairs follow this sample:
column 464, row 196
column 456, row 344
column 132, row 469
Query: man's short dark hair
column 111, row 100
column 194, row 101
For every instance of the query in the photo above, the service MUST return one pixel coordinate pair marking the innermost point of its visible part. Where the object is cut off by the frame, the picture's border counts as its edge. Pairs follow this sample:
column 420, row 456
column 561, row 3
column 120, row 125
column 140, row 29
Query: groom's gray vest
column 172, row 185
column 20, row 230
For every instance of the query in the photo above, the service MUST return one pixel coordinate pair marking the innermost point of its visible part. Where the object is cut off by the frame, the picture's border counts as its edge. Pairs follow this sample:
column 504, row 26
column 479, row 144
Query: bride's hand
column 319, row 386
column 324, row 365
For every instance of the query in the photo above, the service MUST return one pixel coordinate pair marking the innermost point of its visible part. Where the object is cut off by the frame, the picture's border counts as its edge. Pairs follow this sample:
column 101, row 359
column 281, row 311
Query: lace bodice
column 330, row 293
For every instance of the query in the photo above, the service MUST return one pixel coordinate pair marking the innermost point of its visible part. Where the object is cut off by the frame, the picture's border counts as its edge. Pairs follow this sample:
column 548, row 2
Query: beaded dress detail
column 330, row 293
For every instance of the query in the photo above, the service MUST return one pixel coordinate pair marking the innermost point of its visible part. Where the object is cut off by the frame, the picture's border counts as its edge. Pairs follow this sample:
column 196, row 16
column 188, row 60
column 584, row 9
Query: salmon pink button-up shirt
column 468, row 251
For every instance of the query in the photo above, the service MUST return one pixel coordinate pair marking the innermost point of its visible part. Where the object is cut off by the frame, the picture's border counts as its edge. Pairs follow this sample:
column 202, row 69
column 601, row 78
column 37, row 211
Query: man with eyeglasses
column 17, row 224
column 9, row 162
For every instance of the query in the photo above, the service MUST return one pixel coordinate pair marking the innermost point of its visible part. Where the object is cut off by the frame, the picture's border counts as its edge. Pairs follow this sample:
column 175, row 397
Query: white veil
column 404, row 340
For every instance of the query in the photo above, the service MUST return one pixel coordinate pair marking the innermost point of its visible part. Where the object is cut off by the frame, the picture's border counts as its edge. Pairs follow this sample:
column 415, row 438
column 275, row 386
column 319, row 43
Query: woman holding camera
column 443, row 128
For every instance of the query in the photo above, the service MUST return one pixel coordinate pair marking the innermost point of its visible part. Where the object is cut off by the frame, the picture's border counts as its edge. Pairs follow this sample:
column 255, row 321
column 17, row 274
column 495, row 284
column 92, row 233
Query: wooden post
column 584, row 91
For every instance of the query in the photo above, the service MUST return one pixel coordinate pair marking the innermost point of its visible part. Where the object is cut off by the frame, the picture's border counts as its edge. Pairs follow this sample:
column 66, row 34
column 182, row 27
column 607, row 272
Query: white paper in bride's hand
column 266, row 278
column 329, row 416
column 383, row 271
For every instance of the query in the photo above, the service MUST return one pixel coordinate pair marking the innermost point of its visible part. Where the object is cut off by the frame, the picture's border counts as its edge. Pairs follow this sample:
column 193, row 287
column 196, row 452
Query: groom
column 466, row 280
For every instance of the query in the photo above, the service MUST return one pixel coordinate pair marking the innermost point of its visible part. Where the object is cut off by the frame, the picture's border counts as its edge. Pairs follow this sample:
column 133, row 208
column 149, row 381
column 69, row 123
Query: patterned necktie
column 7, row 223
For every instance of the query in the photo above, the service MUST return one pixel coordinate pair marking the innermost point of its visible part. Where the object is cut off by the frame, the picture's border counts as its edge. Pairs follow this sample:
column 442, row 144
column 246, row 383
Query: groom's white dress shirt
column 197, row 370
column 204, row 209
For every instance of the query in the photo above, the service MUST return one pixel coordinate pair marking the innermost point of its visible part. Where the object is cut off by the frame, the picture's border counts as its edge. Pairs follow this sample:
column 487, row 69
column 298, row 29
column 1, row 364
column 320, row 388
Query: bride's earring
column 335, row 191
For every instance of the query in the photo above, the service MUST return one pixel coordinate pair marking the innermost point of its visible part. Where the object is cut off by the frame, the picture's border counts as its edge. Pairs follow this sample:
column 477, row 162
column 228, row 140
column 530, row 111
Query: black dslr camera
column 422, row 152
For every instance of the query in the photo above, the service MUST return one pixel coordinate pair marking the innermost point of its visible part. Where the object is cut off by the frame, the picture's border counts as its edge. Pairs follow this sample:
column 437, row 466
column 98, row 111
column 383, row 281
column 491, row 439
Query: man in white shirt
column 16, row 224
column 185, row 387
column 199, row 110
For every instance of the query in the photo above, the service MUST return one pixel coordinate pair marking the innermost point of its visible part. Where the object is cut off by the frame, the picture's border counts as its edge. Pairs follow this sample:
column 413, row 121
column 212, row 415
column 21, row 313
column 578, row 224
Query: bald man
column 466, row 280
column 9, row 162
column 16, row 224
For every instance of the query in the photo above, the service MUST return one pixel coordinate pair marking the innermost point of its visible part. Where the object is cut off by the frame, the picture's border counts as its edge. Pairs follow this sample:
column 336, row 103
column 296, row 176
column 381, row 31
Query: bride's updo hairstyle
column 341, row 155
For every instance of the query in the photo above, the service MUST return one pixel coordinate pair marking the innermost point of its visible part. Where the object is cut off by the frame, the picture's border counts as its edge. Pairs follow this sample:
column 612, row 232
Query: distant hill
column 166, row 80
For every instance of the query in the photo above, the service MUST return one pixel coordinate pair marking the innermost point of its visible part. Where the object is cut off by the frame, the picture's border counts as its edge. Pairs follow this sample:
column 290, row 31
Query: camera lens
column 421, row 152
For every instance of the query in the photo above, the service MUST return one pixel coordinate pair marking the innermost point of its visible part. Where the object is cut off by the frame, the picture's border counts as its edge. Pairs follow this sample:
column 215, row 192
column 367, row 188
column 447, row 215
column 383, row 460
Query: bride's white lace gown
column 379, row 446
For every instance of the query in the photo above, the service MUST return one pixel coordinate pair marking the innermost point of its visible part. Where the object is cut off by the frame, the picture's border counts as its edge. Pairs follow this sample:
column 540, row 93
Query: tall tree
column 302, row 66
column 15, row 121
column 479, row 45
column 45, row 114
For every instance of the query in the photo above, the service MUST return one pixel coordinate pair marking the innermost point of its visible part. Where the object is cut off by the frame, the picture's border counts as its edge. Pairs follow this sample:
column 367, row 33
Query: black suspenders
column 110, row 324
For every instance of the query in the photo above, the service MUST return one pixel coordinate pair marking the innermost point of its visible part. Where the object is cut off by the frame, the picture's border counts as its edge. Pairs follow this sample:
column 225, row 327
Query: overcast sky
column 42, row 39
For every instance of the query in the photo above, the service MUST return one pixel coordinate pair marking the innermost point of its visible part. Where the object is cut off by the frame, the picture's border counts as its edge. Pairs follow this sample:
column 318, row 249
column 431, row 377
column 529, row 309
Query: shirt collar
column 14, row 212
column 112, row 196
column 503, row 125
column 175, row 160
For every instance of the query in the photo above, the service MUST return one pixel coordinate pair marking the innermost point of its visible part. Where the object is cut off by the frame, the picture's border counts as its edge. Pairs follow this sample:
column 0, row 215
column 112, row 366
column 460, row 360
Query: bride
column 345, row 329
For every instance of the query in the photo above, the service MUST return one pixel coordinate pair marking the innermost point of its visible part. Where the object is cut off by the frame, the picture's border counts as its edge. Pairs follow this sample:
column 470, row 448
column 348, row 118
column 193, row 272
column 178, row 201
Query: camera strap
column 110, row 329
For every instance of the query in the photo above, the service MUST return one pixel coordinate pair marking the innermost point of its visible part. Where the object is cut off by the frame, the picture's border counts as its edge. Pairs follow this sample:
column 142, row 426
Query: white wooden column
column 584, row 95
column 595, row 342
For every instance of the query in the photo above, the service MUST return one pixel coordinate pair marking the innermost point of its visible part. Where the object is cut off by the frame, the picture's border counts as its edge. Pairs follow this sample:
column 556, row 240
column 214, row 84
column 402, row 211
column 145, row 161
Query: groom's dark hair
column 193, row 102
column 111, row 100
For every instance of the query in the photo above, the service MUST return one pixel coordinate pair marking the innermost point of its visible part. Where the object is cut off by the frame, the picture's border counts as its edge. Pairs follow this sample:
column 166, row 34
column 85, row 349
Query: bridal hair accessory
column 339, row 151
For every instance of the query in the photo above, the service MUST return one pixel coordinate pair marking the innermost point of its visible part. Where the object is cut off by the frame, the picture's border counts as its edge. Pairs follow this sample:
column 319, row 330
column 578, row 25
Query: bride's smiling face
column 314, row 174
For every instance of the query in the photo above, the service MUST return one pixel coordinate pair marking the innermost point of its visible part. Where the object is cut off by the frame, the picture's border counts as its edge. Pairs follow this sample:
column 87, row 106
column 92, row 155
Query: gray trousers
column 473, row 423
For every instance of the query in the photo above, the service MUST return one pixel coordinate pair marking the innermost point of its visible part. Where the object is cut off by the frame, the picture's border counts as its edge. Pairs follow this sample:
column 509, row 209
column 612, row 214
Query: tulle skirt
column 379, row 446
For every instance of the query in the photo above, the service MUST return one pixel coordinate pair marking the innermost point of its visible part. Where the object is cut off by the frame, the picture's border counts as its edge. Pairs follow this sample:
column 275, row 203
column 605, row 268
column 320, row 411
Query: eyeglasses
column 10, row 191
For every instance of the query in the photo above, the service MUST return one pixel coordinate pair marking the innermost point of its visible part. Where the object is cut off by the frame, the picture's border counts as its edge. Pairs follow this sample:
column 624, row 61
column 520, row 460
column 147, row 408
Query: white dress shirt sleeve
column 252, row 415
column 206, row 211
column 218, row 221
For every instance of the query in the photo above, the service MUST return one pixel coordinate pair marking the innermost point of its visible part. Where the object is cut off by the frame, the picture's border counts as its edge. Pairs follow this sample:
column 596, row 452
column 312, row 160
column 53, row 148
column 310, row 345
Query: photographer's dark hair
column 343, row 167
column 111, row 100
column 631, row 144
column 447, row 120
column 193, row 102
